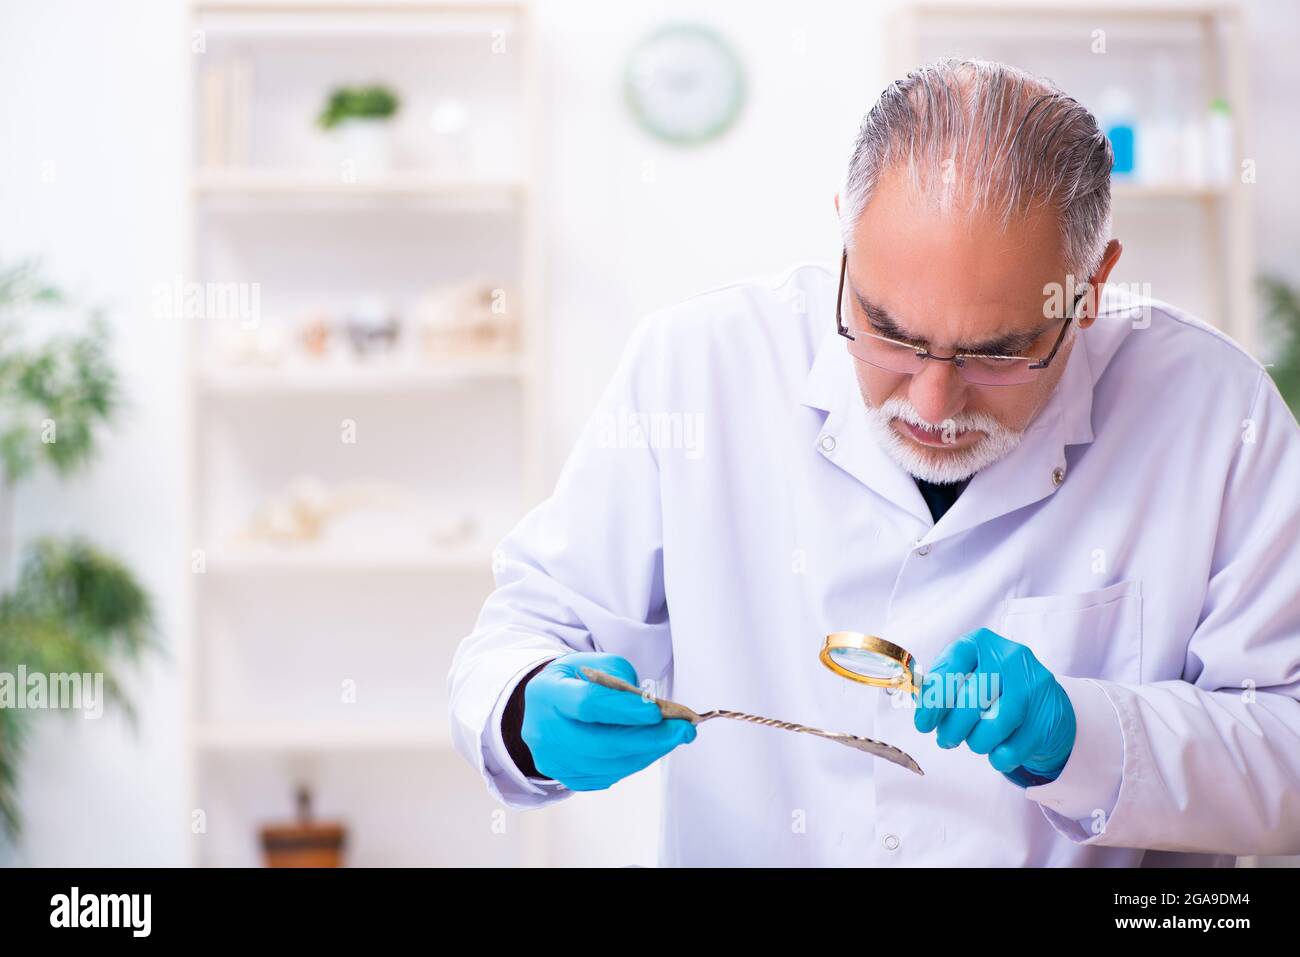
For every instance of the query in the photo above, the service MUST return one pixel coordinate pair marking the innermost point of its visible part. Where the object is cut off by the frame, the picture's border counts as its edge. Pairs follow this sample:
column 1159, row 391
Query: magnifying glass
column 870, row 660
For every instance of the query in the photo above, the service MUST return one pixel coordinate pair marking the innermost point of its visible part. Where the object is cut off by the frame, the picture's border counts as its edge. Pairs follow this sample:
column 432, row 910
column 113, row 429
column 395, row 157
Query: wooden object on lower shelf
column 305, row 843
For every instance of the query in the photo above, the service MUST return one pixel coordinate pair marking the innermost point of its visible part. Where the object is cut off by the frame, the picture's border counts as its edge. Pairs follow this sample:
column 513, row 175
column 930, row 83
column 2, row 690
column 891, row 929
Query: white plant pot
column 366, row 147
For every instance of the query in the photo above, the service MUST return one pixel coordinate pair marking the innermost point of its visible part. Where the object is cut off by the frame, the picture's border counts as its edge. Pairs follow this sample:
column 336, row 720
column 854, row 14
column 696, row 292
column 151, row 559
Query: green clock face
column 684, row 84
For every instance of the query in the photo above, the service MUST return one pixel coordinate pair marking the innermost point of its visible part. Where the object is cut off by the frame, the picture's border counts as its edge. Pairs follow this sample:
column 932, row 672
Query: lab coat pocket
column 1093, row 634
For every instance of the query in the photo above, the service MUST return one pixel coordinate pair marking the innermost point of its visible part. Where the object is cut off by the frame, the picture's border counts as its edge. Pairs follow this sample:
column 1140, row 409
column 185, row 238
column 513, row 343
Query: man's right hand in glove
column 587, row 736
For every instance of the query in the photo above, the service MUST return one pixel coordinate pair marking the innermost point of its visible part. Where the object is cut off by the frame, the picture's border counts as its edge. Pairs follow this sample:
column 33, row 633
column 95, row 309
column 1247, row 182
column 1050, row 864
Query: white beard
column 941, row 466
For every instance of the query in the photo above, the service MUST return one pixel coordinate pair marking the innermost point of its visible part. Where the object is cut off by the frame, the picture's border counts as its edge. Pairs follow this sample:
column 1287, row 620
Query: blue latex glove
column 1031, row 732
column 587, row 736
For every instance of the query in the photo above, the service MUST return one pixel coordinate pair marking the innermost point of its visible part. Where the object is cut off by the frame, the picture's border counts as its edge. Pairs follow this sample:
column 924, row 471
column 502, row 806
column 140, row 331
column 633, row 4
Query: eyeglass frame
column 1035, row 365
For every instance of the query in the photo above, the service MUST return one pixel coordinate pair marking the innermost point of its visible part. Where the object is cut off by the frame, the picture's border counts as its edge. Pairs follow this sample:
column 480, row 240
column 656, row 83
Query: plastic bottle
column 1119, row 122
column 1219, row 149
column 1160, row 154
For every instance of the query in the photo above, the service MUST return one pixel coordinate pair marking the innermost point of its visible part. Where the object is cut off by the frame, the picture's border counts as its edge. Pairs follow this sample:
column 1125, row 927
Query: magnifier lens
column 868, row 664
column 868, row 659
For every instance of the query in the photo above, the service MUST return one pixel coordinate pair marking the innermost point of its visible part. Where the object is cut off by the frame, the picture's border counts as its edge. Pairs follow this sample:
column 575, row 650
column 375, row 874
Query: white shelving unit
column 1165, row 226
column 277, row 631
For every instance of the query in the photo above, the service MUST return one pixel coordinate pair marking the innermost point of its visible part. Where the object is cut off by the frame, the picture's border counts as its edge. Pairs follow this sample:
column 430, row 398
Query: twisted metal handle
column 671, row 709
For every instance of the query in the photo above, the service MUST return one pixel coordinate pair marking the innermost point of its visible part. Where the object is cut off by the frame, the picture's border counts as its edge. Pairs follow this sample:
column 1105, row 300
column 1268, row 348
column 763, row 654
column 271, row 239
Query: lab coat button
column 828, row 443
column 1058, row 476
column 923, row 550
column 891, row 842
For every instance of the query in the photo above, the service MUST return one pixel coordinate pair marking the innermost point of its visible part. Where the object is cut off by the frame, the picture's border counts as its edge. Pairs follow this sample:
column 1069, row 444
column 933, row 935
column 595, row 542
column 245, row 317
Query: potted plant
column 361, row 118
column 71, row 609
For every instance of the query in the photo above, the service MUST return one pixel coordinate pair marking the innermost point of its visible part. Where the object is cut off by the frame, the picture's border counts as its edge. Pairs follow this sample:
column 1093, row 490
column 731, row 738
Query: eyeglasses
column 907, row 358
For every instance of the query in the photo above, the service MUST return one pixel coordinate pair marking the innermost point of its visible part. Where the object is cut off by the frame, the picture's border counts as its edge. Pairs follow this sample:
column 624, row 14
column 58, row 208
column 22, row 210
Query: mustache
column 897, row 408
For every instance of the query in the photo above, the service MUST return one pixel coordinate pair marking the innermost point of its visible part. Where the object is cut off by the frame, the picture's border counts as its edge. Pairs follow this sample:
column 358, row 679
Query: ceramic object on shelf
column 261, row 345
column 309, row 510
column 453, row 531
column 449, row 123
column 314, row 333
column 467, row 318
column 296, row 516
column 366, row 147
column 372, row 328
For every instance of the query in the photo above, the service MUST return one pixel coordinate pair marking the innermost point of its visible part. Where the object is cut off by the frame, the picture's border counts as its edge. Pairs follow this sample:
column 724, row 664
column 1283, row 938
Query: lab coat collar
column 1033, row 471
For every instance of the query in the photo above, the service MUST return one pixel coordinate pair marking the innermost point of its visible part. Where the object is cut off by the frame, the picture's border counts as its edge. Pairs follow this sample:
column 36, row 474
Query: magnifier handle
column 669, row 709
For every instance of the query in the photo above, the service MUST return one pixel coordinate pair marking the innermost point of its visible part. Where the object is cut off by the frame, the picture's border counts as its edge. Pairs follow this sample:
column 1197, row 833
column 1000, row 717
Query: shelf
column 280, row 183
column 1070, row 10
column 1121, row 189
column 375, row 378
column 357, row 20
column 273, row 736
column 263, row 559
column 358, row 6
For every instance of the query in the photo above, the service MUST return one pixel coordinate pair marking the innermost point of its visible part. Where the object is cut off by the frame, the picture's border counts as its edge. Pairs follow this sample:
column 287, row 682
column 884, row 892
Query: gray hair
column 999, row 141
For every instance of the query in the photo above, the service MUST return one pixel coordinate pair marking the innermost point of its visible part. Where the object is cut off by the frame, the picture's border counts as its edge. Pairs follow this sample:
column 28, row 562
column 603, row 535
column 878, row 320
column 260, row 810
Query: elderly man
column 1083, row 508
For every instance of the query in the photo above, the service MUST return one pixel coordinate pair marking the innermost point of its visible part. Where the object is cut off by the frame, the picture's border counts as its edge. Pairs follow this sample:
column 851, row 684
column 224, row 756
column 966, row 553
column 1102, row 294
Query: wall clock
column 684, row 84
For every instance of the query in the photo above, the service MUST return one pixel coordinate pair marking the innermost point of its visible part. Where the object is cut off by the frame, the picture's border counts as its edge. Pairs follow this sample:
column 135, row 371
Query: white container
column 1193, row 151
column 366, row 147
column 449, row 123
column 1220, row 153
column 1159, row 152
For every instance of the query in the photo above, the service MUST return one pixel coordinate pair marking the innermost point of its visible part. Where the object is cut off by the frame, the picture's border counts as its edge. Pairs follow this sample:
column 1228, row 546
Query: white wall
column 97, row 88
column 92, row 156
column 633, row 225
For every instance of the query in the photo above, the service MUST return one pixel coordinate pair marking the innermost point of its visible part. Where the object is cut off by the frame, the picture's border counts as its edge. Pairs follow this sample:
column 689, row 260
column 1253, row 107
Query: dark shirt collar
column 939, row 497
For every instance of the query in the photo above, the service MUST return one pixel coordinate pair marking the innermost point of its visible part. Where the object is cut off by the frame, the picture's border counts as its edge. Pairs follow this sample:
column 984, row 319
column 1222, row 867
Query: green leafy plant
column 66, row 381
column 1281, row 304
column 74, row 609
column 363, row 102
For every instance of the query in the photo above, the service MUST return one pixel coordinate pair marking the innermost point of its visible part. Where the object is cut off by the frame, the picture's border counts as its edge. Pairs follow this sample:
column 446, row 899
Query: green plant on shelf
column 74, row 609
column 357, row 103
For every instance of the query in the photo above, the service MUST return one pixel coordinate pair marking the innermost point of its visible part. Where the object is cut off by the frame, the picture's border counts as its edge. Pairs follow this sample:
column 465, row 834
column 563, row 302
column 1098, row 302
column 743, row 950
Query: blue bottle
column 1117, row 122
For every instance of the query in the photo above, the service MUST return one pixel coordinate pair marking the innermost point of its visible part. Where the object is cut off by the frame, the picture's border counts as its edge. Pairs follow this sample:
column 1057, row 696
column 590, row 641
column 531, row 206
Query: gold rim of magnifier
column 857, row 641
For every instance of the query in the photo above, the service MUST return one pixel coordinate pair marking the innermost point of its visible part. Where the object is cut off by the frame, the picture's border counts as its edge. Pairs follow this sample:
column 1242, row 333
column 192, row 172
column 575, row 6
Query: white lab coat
column 1143, row 540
